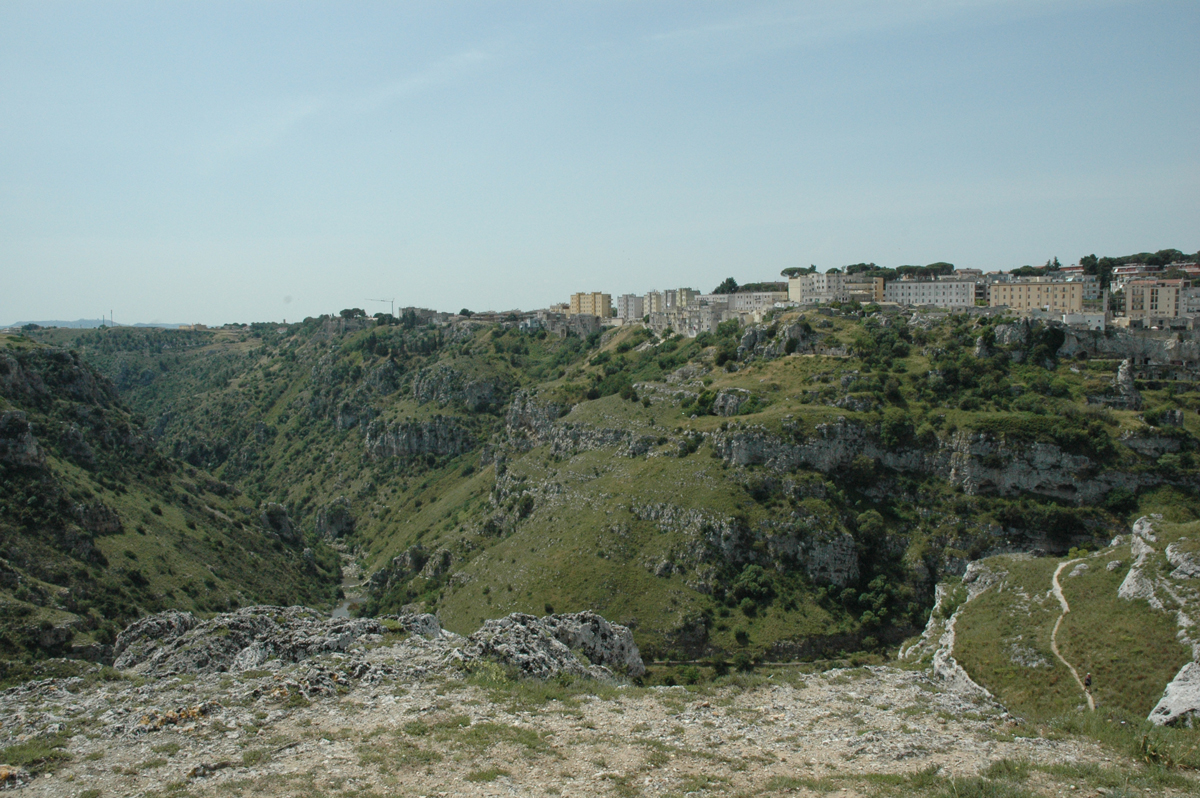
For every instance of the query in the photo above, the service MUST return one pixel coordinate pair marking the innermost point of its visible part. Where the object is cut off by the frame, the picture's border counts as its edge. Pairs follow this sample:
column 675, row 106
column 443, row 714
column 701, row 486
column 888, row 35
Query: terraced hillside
column 794, row 489
column 98, row 528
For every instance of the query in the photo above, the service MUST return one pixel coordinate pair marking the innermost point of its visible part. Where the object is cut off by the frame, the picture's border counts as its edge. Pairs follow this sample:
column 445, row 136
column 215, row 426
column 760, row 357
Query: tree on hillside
column 941, row 267
column 465, row 312
column 353, row 313
column 727, row 286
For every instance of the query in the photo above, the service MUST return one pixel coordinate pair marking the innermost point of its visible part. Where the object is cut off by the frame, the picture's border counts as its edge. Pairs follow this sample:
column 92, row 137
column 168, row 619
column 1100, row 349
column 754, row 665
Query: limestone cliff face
column 18, row 446
column 446, row 385
column 978, row 462
column 770, row 341
column 530, row 421
column 335, row 519
column 443, row 436
column 828, row 556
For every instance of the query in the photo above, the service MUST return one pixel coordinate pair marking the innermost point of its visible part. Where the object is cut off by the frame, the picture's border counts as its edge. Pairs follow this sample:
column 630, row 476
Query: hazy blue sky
column 258, row 161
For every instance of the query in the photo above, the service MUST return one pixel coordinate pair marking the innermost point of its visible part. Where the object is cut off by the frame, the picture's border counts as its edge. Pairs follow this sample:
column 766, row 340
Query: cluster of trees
column 730, row 286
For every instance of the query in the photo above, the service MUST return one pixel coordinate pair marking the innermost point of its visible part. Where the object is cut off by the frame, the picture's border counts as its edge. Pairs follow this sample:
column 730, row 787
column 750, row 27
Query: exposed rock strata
column 442, row 436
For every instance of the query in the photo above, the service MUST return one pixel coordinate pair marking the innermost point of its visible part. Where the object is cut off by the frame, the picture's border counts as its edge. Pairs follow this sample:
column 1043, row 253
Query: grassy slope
column 1130, row 648
column 566, row 552
column 180, row 544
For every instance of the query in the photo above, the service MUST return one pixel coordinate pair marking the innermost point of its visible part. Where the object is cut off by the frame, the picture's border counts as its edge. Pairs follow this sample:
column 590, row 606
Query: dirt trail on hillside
column 1058, row 594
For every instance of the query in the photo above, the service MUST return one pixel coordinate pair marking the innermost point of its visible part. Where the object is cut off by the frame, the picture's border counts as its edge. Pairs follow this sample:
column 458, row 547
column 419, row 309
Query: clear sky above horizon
column 254, row 161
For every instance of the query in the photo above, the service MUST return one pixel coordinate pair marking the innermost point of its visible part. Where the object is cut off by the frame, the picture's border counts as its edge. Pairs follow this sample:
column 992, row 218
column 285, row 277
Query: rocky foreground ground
column 274, row 701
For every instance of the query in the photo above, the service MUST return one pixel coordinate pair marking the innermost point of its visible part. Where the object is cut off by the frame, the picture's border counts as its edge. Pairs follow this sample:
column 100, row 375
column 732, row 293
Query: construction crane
column 392, row 302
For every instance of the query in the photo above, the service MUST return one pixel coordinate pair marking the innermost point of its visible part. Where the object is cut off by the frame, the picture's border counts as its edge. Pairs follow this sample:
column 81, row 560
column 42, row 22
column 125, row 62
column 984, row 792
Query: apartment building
column 1038, row 293
column 654, row 302
column 868, row 289
column 595, row 304
column 820, row 288
column 1160, row 299
column 939, row 293
column 630, row 307
column 751, row 301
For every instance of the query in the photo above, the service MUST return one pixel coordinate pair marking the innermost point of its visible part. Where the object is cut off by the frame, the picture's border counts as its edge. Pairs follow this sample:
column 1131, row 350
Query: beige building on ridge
column 593, row 304
column 1038, row 293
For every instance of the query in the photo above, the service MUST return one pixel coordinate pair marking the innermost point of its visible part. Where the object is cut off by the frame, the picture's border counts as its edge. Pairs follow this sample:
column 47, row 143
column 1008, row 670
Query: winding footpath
column 1058, row 594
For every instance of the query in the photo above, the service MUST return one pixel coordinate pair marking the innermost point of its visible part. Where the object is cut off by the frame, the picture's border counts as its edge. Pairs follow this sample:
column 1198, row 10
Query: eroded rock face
column 603, row 643
column 1126, row 387
column 176, row 642
column 18, row 446
column 979, row 462
column 1180, row 703
column 275, row 520
column 542, row 647
column 438, row 436
column 335, row 519
column 445, row 385
column 729, row 401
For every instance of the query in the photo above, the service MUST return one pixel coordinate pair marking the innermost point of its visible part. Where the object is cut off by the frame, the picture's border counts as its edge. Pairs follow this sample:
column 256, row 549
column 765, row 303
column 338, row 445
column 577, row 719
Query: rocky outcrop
column 402, row 567
column 176, row 642
column 603, row 643
column 832, row 560
column 41, row 374
column 1183, row 562
column 541, row 648
column 1180, row 702
column 441, row 436
column 729, row 401
column 335, row 519
column 770, row 341
column 937, row 641
column 530, row 421
column 98, row 518
column 1126, row 389
column 979, row 462
column 1139, row 582
column 275, row 521
column 445, row 385
column 18, row 446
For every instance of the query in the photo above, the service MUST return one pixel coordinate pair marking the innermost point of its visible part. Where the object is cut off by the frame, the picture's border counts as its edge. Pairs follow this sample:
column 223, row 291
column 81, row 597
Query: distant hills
column 89, row 324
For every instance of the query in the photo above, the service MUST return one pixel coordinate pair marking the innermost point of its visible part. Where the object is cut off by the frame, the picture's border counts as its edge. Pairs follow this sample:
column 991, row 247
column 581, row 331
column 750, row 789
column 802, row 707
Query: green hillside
column 791, row 490
column 98, row 528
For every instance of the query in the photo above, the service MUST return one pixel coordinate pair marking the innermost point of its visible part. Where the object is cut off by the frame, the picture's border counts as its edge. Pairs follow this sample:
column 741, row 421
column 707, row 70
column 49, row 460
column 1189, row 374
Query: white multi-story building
column 751, row 301
column 630, row 307
column 654, row 302
column 939, row 293
column 823, row 288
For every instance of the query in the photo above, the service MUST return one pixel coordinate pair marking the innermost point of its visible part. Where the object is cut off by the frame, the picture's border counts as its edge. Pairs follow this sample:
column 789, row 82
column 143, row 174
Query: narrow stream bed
column 351, row 584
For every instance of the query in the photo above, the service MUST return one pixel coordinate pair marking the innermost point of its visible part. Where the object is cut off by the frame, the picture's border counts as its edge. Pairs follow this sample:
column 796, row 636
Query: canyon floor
column 401, row 720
